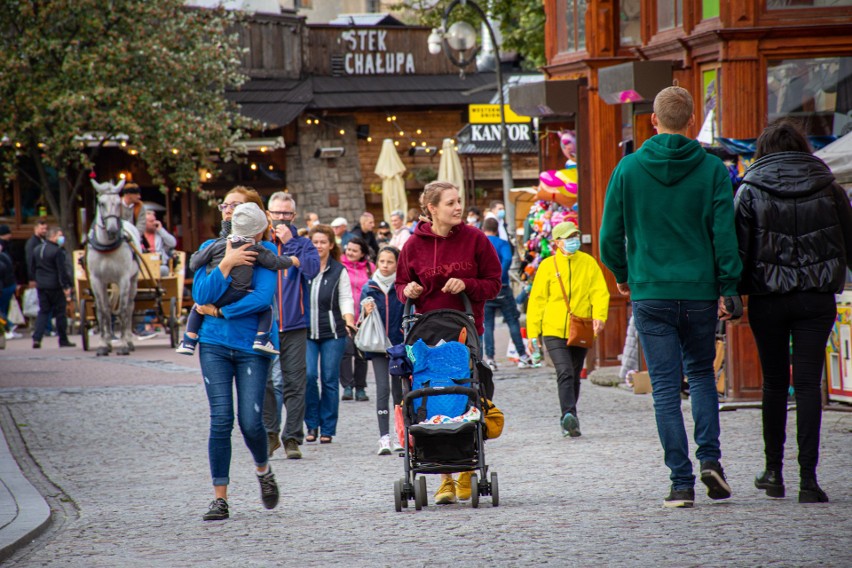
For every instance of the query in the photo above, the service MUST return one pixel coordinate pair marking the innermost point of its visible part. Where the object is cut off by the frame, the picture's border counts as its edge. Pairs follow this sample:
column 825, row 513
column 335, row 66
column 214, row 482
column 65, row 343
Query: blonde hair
column 432, row 196
column 673, row 107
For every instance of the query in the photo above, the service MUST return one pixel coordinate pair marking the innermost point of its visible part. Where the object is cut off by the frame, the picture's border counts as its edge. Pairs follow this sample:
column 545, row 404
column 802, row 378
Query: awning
column 385, row 91
column 544, row 99
column 634, row 82
column 485, row 139
column 276, row 102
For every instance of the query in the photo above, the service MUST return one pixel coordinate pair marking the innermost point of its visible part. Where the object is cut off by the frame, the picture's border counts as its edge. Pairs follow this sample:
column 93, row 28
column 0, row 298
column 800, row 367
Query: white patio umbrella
column 450, row 168
column 390, row 168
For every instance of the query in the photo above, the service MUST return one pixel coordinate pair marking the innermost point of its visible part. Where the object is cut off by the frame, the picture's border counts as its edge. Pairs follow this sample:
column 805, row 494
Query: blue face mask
column 571, row 245
column 501, row 214
column 60, row 240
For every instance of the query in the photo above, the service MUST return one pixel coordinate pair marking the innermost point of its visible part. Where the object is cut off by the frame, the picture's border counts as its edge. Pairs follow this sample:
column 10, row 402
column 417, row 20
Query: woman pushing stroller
column 443, row 258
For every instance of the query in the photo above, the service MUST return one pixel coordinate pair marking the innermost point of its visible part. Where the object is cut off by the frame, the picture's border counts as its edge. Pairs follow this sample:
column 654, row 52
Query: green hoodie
column 668, row 223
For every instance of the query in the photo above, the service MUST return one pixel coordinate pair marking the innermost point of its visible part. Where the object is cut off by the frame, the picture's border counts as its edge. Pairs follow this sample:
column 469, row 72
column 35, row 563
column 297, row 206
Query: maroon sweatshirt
column 431, row 260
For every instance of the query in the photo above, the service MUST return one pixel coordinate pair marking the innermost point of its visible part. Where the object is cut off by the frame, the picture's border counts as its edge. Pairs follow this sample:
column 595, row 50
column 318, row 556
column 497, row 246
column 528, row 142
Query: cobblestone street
column 133, row 461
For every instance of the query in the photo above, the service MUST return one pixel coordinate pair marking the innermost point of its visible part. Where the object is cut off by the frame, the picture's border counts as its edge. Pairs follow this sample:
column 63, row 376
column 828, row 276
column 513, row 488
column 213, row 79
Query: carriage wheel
column 84, row 325
column 397, row 495
column 174, row 326
column 474, row 491
column 495, row 492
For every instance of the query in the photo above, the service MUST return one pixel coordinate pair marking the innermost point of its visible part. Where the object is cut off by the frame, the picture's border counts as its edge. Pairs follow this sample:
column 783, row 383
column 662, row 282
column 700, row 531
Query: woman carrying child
column 379, row 294
column 228, row 359
column 443, row 258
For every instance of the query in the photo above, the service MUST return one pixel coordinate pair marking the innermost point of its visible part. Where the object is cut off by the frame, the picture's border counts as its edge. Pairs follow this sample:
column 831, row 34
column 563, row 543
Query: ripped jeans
column 221, row 368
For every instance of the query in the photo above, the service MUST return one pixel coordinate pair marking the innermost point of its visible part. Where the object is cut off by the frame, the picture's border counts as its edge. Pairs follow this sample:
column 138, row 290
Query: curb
column 31, row 514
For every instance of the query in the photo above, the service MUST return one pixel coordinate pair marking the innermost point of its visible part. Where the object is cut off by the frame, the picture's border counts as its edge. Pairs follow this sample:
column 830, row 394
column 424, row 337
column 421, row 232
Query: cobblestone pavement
column 133, row 459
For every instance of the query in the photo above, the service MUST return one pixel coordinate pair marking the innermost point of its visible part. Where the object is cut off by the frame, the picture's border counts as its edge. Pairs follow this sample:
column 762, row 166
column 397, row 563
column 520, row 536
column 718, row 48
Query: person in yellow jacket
column 547, row 313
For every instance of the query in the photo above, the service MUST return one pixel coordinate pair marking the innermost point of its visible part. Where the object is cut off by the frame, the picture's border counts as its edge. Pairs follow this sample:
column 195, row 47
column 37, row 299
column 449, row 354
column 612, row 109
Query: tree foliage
column 521, row 23
column 151, row 70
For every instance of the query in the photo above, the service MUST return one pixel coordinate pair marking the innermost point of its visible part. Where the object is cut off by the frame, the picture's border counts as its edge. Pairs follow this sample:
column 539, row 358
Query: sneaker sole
column 215, row 518
column 446, row 500
column 184, row 351
column 267, row 350
column 384, row 452
column 717, row 487
column 681, row 504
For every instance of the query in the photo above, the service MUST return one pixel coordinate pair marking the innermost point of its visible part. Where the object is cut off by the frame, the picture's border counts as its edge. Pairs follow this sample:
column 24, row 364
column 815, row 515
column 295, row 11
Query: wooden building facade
column 747, row 61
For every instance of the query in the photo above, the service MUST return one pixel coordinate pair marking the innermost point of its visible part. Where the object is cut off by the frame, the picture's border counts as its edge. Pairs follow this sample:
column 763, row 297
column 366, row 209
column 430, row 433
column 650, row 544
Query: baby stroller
column 448, row 447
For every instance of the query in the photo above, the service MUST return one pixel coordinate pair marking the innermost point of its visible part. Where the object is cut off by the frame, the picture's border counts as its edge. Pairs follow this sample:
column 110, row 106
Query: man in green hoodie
column 668, row 237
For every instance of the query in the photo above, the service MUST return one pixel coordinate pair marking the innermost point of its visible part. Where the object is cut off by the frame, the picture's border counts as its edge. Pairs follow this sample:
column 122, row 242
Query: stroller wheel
column 474, row 491
column 397, row 496
column 495, row 491
column 424, row 501
column 419, row 495
column 405, row 492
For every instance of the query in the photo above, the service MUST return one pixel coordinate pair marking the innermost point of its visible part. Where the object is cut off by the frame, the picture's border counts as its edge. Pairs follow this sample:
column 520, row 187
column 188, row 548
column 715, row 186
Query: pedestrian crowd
column 278, row 307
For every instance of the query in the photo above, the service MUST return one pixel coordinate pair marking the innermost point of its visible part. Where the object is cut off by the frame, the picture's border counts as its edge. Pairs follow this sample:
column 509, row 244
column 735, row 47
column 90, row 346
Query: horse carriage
column 117, row 285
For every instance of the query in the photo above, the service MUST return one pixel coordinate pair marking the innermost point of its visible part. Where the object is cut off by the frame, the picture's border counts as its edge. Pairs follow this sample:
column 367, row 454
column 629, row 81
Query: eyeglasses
column 287, row 214
column 226, row 206
column 384, row 233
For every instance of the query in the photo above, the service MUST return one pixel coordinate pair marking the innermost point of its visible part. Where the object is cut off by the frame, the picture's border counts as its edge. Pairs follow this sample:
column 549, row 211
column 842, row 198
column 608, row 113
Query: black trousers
column 569, row 363
column 51, row 304
column 807, row 318
column 353, row 367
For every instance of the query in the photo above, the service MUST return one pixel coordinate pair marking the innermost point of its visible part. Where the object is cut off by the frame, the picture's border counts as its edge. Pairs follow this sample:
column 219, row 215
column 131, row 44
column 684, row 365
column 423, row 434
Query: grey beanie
column 248, row 220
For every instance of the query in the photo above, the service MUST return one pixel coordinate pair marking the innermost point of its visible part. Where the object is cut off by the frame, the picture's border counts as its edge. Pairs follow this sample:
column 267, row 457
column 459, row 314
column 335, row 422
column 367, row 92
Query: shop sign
column 491, row 132
column 367, row 54
column 490, row 114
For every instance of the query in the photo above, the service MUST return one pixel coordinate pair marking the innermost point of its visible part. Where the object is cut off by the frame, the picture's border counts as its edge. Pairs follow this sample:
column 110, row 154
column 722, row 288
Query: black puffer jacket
column 794, row 225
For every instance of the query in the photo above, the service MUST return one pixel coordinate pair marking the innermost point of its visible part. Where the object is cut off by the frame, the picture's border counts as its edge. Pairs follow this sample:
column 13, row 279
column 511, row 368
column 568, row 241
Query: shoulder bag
column 581, row 332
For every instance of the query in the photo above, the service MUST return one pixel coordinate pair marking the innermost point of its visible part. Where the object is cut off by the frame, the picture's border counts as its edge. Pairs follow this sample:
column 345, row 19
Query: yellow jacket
column 584, row 284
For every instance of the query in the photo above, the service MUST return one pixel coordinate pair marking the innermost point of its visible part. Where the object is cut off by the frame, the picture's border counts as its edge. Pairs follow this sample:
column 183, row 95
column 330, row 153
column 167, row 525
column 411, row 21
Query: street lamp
column 461, row 37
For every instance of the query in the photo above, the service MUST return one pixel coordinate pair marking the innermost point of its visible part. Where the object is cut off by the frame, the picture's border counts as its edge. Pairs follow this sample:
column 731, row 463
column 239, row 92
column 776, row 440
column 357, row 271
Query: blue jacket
column 504, row 251
column 390, row 308
column 292, row 284
column 238, row 326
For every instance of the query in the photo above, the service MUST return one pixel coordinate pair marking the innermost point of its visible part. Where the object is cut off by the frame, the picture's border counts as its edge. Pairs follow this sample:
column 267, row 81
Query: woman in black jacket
column 794, row 225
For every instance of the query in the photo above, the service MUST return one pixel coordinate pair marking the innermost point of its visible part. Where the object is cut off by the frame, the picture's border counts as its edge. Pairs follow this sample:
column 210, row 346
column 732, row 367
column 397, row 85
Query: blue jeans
column 221, row 368
column 504, row 302
column 678, row 337
column 5, row 300
column 322, row 401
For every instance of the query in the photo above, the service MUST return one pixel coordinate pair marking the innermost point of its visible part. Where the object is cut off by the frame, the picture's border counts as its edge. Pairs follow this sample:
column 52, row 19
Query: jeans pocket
column 652, row 319
column 702, row 318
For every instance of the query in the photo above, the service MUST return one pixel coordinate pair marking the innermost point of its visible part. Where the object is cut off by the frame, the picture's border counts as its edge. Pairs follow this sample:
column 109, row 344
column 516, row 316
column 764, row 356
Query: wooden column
column 743, row 91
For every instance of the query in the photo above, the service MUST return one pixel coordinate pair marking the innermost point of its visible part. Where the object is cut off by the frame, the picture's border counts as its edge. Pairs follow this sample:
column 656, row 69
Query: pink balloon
column 549, row 179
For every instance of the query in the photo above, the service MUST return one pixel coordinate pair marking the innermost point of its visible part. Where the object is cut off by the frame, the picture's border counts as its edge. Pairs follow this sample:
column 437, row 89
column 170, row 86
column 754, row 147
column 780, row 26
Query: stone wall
column 329, row 187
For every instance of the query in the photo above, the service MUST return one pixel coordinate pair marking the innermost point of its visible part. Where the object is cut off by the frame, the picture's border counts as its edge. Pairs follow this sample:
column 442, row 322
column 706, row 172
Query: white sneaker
column 265, row 347
column 491, row 363
column 526, row 362
column 384, row 446
column 13, row 335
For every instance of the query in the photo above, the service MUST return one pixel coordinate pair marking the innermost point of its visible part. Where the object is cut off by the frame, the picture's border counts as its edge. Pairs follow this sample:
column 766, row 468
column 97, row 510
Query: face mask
column 571, row 245
column 60, row 240
column 278, row 222
column 501, row 214
column 472, row 220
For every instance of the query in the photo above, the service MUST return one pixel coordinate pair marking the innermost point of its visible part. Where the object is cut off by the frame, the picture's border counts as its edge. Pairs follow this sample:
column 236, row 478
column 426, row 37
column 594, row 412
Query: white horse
column 110, row 260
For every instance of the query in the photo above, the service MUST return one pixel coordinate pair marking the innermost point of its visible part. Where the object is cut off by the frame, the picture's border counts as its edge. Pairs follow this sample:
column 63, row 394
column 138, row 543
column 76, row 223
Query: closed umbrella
column 450, row 168
column 390, row 168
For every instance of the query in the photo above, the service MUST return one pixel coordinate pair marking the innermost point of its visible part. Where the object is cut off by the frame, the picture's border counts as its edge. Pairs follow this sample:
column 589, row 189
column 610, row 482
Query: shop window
column 373, row 6
column 669, row 14
column 709, row 9
column 630, row 21
column 309, row 4
column 794, row 4
column 575, row 25
column 817, row 92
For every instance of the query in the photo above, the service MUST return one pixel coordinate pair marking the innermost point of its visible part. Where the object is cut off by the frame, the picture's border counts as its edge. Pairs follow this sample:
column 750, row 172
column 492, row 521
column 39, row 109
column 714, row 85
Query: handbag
column 581, row 331
column 371, row 337
column 494, row 419
column 30, row 307
column 15, row 316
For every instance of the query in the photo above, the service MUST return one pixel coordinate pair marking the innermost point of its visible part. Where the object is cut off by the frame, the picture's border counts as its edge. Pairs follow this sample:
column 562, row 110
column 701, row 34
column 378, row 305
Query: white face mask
column 471, row 220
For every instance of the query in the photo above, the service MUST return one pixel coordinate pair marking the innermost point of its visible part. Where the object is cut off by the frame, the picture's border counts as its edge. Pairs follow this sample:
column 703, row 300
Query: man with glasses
column 287, row 380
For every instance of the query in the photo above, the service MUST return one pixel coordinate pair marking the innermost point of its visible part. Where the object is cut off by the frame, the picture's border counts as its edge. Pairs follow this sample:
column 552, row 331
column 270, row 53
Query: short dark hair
column 53, row 231
column 393, row 250
column 475, row 210
column 783, row 135
column 490, row 225
column 362, row 244
column 41, row 221
column 494, row 204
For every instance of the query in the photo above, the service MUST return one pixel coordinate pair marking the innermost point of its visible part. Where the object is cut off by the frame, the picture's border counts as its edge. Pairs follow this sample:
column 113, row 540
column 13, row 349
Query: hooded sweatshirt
column 794, row 225
column 668, row 223
column 431, row 260
column 359, row 273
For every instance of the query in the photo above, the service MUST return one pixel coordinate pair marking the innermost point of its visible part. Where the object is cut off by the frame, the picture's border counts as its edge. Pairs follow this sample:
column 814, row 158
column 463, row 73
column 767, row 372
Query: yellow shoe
column 463, row 486
column 446, row 494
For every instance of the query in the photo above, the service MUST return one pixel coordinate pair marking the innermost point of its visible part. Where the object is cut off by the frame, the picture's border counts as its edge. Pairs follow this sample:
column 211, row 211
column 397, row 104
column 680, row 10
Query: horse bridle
column 112, row 245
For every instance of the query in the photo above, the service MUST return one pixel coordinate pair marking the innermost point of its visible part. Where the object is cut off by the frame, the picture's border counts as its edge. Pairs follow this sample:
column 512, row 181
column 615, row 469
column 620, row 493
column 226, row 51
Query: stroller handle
column 408, row 310
column 471, row 393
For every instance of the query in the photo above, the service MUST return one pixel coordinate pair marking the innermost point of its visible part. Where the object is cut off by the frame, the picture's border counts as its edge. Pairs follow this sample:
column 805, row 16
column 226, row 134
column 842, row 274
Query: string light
column 342, row 132
column 263, row 148
column 253, row 166
column 419, row 131
column 175, row 151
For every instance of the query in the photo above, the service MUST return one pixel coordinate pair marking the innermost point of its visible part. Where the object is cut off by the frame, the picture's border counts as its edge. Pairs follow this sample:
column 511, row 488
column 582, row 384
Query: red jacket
column 431, row 260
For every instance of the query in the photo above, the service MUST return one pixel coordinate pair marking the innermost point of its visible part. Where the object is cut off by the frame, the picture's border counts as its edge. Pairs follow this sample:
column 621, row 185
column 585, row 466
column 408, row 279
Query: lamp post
column 461, row 37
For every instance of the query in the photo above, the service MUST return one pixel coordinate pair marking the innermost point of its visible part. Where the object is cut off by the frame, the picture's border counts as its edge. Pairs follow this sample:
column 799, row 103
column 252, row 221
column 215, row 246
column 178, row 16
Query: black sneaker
column 772, row 482
column 680, row 499
column 268, row 489
column 713, row 476
column 361, row 395
column 218, row 511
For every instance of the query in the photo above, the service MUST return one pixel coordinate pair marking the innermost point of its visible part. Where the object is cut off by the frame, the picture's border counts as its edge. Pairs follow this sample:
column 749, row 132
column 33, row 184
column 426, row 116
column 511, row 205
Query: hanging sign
column 491, row 132
column 490, row 114
column 367, row 54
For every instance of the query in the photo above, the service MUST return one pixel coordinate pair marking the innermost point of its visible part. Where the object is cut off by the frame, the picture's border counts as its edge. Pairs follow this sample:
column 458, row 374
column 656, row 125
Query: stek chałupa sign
column 367, row 54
